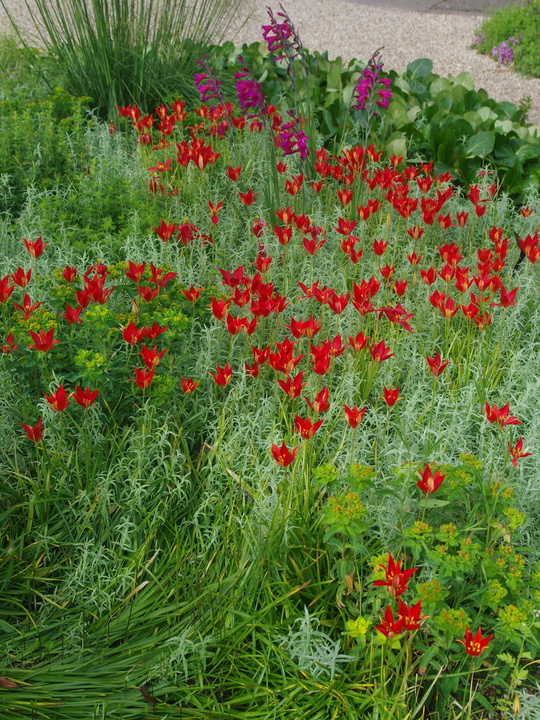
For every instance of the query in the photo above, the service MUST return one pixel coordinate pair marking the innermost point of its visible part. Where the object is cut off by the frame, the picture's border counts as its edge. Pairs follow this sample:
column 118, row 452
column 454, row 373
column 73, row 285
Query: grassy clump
column 119, row 52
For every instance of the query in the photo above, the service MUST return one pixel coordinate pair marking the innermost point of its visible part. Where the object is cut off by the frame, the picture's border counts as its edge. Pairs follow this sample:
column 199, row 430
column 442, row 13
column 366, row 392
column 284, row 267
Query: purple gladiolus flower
column 249, row 92
column 293, row 139
column 281, row 36
column 371, row 87
column 208, row 85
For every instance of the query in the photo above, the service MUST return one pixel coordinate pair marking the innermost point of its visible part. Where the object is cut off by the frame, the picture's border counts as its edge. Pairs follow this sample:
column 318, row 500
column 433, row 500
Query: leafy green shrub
column 42, row 144
column 521, row 22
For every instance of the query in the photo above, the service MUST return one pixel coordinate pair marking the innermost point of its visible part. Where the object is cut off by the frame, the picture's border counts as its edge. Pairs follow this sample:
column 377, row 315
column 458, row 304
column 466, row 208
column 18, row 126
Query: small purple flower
column 249, row 92
column 479, row 39
column 293, row 139
column 503, row 53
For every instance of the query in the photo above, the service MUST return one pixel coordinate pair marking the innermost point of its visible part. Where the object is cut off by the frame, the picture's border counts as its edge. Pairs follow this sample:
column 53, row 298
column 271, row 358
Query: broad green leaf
column 528, row 151
column 347, row 95
column 334, row 76
column 397, row 113
column 464, row 79
column 446, row 148
column 401, row 84
column 460, row 128
column 529, row 133
column 486, row 114
column 480, row 144
column 472, row 117
column 435, row 502
column 440, row 84
column 504, row 125
column 397, row 147
column 419, row 69
column 504, row 152
column 414, row 111
column 458, row 93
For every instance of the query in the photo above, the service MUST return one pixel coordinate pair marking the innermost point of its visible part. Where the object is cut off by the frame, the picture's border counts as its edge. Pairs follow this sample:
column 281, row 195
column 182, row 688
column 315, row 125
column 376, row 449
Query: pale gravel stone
column 353, row 30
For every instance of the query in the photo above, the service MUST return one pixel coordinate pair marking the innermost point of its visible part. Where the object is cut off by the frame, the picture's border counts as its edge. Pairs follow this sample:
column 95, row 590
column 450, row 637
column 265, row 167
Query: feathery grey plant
column 313, row 650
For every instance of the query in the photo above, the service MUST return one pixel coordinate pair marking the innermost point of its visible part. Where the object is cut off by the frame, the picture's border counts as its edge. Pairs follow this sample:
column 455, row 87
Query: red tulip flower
column 28, row 307
column 282, row 455
column 354, row 416
column 306, row 427
column 151, row 357
column 69, row 273
column 143, row 377
column 390, row 396
column 257, row 229
column 20, row 277
column 223, row 375
column 43, row 341
column 85, row 398
column 5, row 289
column 58, row 401
column 193, row 294
column 214, row 211
column 135, row 271
column 501, row 415
column 410, row 614
column 153, row 332
column 34, row 432
column 437, row 364
column 165, row 231
column 390, row 627
column 132, row 334
column 233, row 173
column 379, row 247
column 400, row 287
column 415, row 232
column 147, row 293
column 252, row 370
column 260, row 355
column 358, row 342
column 380, row 351
column 414, row 259
column 320, row 402
column 220, row 308
column 396, row 579
column 304, row 328
column 475, row 644
column 9, row 345
column 292, row 386
column 247, row 198
column 430, row 483
column 36, row 247
column 188, row 386
column 158, row 278
column 517, row 452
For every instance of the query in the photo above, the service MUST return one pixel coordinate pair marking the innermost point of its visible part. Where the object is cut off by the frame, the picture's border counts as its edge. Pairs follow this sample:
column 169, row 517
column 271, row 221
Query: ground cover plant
column 273, row 453
column 510, row 34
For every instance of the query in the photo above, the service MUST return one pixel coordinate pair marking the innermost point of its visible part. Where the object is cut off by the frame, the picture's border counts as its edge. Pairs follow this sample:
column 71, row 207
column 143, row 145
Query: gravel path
column 352, row 30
